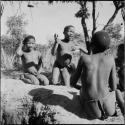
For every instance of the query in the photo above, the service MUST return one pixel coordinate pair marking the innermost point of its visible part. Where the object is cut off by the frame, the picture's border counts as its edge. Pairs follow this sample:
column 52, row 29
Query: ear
column 63, row 33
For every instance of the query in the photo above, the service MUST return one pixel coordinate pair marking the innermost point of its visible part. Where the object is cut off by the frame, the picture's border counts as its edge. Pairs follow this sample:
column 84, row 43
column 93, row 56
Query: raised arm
column 19, row 50
column 77, row 73
column 112, row 82
column 55, row 46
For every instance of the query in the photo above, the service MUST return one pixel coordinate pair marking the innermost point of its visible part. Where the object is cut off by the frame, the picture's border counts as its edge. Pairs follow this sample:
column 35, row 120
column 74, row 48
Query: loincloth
column 70, row 67
column 100, row 103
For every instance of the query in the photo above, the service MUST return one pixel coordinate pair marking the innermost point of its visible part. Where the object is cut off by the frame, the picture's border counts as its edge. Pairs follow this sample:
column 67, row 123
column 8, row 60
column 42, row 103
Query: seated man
column 98, row 77
column 32, row 62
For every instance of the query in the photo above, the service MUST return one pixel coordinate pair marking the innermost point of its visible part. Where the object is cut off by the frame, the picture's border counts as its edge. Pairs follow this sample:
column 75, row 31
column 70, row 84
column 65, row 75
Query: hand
column 57, row 40
column 38, row 75
column 74, row 48
column 33, row 71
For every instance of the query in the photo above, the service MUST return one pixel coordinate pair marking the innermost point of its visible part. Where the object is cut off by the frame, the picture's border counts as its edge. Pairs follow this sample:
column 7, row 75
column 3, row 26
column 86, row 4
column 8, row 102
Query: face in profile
column 30, row 44
column 69, row 33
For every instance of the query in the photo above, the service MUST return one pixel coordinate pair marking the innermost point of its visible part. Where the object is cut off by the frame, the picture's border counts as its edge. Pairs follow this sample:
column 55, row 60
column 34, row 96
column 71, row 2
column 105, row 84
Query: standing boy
column 63, row 50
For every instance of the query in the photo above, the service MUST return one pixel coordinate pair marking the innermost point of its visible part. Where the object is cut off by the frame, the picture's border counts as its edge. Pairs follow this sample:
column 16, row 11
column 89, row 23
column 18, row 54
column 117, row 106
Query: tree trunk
column 86, row 34
column 1, row 9
column 93, row 15
column 111, row 19
column 123, row 14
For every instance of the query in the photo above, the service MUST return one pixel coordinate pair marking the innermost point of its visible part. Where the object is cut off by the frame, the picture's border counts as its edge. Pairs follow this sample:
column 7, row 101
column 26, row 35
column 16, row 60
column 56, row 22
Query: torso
column 30, row 60
column 64, row 50
column 95, row 76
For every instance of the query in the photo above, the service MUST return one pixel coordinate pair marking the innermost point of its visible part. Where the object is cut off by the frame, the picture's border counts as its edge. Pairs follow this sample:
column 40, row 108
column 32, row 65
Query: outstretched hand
column 57, row 40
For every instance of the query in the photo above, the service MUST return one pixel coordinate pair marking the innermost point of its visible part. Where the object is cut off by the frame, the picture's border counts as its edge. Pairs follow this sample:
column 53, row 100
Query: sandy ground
column 16, row 96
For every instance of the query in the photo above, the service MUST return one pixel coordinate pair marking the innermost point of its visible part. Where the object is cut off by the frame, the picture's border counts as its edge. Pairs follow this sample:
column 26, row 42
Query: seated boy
column 63, row 50
column 98, row 77
column 32, row 62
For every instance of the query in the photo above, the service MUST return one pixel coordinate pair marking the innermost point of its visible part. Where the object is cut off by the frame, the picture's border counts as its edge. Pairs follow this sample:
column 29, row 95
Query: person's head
column 29, row 42
column 69, row 32
column 100, row 41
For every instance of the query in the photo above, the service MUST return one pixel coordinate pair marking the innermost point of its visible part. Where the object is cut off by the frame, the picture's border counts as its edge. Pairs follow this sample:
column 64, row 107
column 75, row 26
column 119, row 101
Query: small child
column 63, row 50
column 98, row 93
column 32, row 62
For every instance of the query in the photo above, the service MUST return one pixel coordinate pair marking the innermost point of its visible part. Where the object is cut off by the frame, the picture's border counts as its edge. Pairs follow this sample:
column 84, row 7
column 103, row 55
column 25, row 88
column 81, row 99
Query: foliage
column 16, row 25
column 10, row 42
column 45, row 116
column 114, row 32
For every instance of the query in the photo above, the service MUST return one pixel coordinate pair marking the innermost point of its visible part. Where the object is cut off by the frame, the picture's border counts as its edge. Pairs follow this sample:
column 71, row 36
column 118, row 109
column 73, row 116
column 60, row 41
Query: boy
column 32, row 62
column 63, row 50
column 98, row 77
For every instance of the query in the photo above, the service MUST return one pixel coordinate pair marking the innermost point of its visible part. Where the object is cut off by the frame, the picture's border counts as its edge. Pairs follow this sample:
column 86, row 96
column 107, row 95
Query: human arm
column 80, row 48
column 55, row 46
column 19, row 50
column 40, row 64
column 112, row 78
column 77, row 73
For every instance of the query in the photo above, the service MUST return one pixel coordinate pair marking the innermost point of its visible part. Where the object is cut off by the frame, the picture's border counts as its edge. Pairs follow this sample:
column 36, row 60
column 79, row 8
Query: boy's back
column 98, row 76
column 97, row 69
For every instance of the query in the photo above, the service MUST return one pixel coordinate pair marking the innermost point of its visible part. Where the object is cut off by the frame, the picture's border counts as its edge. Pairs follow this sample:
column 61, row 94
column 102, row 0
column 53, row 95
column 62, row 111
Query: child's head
column 69, row 32
column 29, row 42
column 100, row 41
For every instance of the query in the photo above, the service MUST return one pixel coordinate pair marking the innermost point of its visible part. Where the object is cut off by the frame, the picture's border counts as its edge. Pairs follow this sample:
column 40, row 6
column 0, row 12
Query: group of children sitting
column 99, row 91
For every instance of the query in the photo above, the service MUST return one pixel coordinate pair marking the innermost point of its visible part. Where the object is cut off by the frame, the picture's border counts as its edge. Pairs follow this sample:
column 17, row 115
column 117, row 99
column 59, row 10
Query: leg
column 66, row 76
column 55, row 75
column 109, row 104
column 91, row 107
column 43, row 79
column 31, row 79
column 120, row 100
column 71, row 68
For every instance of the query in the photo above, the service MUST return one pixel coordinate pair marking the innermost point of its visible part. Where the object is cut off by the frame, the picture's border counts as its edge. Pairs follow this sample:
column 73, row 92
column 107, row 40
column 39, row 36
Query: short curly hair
column 27, row 39
column 67, row 27
column 101, row 40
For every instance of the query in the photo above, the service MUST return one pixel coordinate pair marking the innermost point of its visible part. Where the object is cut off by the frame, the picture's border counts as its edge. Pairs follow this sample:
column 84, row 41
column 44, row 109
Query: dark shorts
column 70, row 67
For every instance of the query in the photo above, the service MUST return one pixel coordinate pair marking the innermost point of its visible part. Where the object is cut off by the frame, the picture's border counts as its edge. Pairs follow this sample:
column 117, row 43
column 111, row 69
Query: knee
column 54, row 81
column 35, row 81
column 46, row 82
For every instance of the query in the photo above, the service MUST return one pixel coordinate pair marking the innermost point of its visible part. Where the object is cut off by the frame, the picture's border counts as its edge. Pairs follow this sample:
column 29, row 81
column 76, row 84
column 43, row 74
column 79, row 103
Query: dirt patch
column 24, row 103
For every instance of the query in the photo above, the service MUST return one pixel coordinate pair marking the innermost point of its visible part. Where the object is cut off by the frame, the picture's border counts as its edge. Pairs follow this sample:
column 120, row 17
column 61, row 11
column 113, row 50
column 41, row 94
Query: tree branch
column 1, row 9
column 93, row 15
column 118, row 5
column 123, row 14
column 111, row 19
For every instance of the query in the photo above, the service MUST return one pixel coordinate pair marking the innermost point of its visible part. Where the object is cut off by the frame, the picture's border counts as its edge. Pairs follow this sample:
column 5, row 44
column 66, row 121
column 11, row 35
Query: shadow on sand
column 46, row 97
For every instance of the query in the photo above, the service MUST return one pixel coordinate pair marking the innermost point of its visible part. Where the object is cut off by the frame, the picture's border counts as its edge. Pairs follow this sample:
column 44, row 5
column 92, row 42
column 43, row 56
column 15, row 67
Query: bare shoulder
column 85, row 58
column 38, row 53
column 20, row 52
column 109, row 55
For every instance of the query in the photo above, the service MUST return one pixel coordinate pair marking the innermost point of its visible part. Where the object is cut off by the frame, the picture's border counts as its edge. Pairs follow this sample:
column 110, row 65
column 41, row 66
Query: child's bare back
column 97, row 69
column 98, row 77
